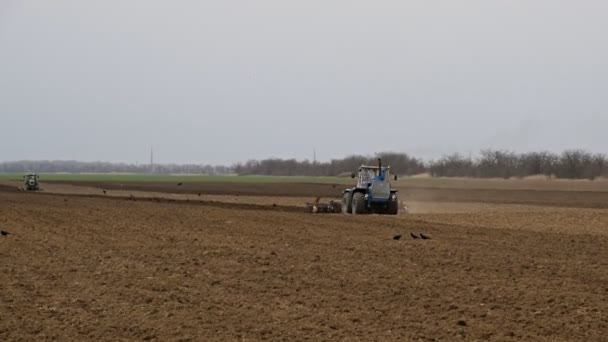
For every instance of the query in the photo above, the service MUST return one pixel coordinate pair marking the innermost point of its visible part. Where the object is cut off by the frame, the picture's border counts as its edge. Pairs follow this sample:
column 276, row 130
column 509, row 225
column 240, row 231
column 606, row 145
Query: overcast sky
column 225, row 81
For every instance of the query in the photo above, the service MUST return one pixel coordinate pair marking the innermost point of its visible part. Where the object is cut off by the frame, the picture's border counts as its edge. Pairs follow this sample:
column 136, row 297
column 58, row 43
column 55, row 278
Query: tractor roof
column 373, row 167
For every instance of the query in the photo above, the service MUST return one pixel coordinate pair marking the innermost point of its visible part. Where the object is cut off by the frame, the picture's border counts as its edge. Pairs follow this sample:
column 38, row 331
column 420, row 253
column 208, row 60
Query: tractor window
column 367, row 175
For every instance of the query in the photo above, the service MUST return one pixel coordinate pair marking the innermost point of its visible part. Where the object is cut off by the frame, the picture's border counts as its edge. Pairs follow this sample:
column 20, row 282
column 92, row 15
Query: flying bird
column 4, row 233
column 397, row 237
column 424, row 237
column 414, row 236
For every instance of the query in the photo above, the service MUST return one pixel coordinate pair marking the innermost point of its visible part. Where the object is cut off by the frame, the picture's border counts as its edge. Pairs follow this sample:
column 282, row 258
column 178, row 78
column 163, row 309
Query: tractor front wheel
column 358, row 203
column 393, row 206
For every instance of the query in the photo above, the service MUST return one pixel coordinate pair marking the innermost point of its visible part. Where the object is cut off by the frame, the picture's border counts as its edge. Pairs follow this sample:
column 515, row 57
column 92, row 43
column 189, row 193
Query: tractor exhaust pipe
column 379, row 167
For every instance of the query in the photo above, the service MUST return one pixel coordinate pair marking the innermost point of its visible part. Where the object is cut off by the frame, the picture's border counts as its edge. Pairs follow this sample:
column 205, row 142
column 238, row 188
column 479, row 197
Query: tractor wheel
column 393, row 206
column 347, row 203
column 358, row 203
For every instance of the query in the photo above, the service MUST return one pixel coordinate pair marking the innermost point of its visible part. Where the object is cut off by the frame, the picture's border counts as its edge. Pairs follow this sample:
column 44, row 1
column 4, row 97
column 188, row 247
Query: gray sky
column 226, row 81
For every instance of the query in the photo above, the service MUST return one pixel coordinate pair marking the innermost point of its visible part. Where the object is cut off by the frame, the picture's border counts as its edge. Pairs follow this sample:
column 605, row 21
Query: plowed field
column 245, row 262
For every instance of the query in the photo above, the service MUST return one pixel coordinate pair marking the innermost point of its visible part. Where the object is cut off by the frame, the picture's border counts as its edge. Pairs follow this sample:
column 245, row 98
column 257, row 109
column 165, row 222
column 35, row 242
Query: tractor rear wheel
column 393, row 206
column 358, row 203
column 347, row 203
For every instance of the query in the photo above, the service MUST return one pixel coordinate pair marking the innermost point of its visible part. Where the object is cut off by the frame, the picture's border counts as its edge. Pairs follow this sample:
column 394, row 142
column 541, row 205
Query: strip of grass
column 79, row 177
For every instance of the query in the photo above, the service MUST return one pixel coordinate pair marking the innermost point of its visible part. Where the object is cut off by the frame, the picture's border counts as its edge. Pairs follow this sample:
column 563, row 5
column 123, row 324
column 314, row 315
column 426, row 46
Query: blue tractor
column 373, row 193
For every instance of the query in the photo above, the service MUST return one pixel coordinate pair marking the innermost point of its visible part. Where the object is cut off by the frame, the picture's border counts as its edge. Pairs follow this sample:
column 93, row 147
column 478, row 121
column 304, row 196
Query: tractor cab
column 366, row 176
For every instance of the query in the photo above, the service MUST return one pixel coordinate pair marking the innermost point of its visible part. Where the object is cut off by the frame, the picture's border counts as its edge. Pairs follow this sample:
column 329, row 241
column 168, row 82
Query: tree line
column 71, row 166
column 572, row 164
column 401, row 163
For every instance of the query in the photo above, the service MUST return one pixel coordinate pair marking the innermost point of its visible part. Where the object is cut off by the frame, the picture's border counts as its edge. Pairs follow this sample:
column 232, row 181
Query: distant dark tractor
column 30, row 182
column 373, row 193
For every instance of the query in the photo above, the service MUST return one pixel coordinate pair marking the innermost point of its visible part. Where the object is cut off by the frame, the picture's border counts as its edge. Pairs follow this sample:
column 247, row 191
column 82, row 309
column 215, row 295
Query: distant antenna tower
column 151, row 159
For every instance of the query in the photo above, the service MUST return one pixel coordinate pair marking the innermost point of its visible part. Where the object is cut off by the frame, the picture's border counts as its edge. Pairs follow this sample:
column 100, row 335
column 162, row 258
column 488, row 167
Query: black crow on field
column 397, row 237
column 104, row 192
column 424, row 237
column 4, row 233
column 180, row 184
column 199, row 194
column 414, row 236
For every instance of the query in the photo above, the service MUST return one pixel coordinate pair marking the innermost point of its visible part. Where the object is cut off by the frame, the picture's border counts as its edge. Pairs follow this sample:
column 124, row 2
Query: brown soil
column 89, row 266
column 210, row 188
column 466, row 191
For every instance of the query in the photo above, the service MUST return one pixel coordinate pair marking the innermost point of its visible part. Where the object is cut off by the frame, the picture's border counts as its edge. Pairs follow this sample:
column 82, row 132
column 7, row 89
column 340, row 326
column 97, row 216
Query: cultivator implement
column 318, row 207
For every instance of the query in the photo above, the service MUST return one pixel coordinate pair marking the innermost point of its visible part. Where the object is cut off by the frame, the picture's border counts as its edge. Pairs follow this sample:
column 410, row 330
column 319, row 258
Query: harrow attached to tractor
column 318, row 207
